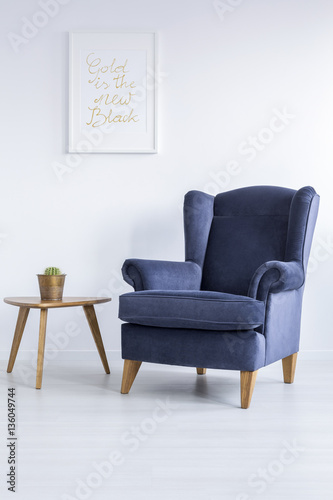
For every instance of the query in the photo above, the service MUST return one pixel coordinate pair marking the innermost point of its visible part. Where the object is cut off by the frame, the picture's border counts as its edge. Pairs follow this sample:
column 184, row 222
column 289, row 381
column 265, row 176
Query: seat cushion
column 197, row 309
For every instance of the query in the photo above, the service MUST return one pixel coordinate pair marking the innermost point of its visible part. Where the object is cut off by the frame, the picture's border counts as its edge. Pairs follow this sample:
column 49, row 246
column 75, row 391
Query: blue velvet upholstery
column 249, row 227
column 158, row 274
column 208, row 348
column 275, row 276
column 200, row 310
column 235, row 303
column 198, row 216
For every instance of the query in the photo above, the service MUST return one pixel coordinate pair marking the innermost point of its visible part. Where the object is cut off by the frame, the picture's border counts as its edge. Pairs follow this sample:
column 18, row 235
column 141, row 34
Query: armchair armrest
column 276, row 276
column 161, row 275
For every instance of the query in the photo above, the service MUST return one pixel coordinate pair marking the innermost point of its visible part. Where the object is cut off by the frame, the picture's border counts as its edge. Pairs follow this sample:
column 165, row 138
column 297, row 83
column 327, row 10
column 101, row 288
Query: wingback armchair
column 235, row 303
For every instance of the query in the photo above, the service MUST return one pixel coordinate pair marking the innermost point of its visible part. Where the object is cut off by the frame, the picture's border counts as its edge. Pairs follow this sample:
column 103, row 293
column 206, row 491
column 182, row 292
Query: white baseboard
column 316, row 355
column 115, row 355
column 62, row 355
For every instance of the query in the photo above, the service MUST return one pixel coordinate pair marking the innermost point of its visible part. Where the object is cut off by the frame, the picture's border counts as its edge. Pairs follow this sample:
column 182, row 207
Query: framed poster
column 112, row 93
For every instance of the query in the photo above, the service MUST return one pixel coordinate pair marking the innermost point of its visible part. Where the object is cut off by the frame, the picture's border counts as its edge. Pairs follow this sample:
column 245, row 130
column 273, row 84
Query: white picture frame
column 112, row 93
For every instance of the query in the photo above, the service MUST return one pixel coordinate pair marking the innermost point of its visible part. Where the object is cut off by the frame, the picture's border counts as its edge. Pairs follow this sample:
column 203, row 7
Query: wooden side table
column 26, row 303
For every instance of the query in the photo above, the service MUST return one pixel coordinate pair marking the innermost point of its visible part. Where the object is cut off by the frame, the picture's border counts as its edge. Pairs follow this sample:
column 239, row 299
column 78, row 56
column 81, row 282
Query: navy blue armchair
column 235, row 303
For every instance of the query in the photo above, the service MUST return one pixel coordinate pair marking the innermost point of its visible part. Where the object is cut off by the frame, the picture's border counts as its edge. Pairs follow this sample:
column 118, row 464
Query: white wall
column 221, row 78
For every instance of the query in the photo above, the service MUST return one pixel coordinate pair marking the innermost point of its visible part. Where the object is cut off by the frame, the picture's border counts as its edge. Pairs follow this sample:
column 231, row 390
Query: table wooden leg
column 41, row 347
column 20, row 324
column 92, row 320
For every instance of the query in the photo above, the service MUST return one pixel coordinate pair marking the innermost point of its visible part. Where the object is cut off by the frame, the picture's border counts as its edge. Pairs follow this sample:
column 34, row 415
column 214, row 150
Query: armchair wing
column 161, row 275
column 276, row 276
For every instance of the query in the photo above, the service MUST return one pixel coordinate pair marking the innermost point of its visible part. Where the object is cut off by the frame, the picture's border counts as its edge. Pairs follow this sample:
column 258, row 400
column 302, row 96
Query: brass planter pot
column 51, row 287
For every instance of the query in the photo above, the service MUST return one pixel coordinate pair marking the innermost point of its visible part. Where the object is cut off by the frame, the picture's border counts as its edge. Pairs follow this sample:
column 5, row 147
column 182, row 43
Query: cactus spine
column 51, row 271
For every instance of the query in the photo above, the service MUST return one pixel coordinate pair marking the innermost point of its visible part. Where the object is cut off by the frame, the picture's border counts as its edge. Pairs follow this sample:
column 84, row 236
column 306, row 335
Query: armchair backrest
column 232, row 234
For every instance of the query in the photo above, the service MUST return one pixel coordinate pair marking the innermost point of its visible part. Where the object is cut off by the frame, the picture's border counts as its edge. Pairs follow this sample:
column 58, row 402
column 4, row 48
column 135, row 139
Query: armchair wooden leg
column 248, row 380
column 201, row 371
column 130, row 371
column 289, row 366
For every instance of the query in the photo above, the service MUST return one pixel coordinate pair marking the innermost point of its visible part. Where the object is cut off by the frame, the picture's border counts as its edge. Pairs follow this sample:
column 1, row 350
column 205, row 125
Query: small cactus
column 51, row 271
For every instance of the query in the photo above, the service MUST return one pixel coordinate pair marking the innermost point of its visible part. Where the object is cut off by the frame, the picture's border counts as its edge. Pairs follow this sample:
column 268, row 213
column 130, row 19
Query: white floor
column 175, row 436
